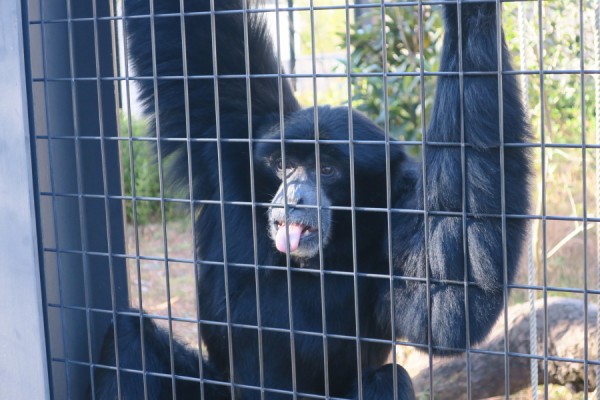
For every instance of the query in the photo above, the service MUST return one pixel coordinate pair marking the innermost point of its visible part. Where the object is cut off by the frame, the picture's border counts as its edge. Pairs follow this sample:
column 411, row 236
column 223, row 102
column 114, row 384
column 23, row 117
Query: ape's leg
column 379, row 384
column 157, row 360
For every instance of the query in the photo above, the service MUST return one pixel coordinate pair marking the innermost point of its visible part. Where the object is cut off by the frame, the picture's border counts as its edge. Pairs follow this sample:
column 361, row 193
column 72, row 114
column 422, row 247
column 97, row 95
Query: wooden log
column 565, row 339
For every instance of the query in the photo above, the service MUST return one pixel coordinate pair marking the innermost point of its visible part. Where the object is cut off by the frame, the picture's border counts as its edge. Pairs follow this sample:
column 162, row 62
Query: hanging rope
column 597, row 156
column 531, row 272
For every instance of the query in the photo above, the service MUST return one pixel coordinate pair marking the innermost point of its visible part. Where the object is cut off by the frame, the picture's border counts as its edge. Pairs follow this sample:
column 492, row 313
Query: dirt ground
column 162, row 283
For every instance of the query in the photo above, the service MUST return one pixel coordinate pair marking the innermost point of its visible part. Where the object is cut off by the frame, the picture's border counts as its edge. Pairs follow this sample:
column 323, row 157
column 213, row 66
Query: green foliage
column 560, row 100
column 403, row 56
column 140, row 156
column 561, row 105
column 146, row 177
column 562, row 48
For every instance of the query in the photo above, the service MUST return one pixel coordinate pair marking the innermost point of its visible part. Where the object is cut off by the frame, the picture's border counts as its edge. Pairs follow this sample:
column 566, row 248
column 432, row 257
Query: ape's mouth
column 292, row 233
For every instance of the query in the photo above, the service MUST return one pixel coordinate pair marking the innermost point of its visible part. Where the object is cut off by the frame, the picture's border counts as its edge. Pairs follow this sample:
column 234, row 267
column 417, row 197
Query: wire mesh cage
column 316, row 198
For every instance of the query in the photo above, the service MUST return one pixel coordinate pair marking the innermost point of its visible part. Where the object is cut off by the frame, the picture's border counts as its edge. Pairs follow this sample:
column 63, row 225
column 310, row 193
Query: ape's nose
column 295, row 201
column 301, row 193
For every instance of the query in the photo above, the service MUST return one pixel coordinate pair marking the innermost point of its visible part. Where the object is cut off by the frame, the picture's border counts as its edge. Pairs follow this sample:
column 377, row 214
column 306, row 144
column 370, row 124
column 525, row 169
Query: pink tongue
column 295, row 232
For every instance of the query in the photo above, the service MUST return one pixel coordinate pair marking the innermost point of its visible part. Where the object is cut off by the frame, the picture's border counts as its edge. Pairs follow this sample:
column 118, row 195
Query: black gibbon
column 303, row 265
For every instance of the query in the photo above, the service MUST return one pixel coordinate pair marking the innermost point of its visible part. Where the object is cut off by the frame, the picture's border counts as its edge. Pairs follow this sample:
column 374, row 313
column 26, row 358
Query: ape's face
column 303, row 226
column 304, row 230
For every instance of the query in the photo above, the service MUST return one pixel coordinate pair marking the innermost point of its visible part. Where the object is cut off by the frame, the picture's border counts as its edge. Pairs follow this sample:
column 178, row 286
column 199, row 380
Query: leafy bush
column 145, row 171
column 403, row 57
column 561, row 105
column 146, row 176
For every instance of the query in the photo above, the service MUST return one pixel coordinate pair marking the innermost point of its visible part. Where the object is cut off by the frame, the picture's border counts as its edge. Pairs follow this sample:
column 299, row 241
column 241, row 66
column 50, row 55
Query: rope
column 597, row 157
column 531, row 273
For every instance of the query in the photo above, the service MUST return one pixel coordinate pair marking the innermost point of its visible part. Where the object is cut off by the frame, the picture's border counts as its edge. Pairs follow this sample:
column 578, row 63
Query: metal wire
column 543, row 195
column 318, row 140
column 286, row 206
column 388, row 181
column 531, row 274
column 54, row 201
column 222, row 195
column 162, row 202
column 136, row 237
column 261, row 363
column 55, row 194
column 597, row 176
column 81, row 203
column 463, row 177
column 197, row 275
column 585, row 213
column 426, row 212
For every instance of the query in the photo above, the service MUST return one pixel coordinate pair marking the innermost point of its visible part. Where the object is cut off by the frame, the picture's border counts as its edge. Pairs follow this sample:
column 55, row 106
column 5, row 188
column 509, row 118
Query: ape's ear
column 404, row 174
column 267, row 153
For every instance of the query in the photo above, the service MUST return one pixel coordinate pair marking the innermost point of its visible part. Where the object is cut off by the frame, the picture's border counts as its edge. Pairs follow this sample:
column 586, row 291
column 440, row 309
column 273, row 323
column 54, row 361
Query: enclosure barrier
column 95, row 227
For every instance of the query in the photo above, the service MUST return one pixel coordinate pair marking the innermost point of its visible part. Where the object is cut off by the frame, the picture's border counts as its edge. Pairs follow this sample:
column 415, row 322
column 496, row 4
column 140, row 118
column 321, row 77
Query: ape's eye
column 327, row 170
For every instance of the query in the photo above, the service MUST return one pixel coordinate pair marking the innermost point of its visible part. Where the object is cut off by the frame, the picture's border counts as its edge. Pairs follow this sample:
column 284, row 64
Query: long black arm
column 172, row 52
column 156, row 43
column 488, row 169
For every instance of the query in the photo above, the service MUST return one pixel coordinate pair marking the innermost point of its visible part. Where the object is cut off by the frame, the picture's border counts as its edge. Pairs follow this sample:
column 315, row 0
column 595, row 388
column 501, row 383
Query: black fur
column 346, row 296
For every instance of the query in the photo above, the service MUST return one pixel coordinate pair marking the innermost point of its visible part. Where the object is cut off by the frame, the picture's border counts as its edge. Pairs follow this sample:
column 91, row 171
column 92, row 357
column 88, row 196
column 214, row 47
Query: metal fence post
column 23, row 365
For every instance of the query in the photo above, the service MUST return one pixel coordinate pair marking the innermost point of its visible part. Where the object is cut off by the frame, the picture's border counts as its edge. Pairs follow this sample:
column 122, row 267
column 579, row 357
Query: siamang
column 319, row 239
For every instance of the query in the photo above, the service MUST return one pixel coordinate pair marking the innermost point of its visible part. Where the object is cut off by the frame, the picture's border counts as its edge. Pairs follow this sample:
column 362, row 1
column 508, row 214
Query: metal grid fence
column 90, row 276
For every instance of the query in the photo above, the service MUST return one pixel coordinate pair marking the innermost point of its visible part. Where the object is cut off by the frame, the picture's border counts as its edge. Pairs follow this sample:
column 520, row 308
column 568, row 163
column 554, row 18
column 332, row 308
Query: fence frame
column 23, row 364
